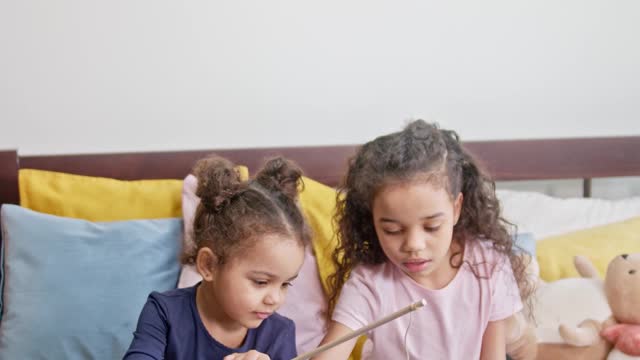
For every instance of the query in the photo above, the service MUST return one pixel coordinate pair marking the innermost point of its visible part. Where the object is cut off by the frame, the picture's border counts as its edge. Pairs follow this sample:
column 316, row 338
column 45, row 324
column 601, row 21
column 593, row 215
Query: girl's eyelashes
column 399, row 231
column 260, row 282
column 391, row 231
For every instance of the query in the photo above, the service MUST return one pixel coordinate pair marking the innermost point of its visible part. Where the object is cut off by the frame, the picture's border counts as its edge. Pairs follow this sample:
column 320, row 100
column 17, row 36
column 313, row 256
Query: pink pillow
column 188, row 275
column 306, row 304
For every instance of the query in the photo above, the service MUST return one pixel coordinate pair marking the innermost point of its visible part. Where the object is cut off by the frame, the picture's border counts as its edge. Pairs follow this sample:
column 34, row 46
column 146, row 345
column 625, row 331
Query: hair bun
column 282, row 175
column 420, row 129
column 218, row 182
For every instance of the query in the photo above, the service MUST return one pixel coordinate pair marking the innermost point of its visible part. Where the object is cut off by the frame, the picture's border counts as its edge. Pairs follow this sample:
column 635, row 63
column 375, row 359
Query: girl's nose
column 414, row 242
column 273, row 297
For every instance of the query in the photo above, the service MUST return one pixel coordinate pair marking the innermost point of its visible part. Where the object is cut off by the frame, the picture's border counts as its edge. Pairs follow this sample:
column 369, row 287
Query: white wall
column 121, row 75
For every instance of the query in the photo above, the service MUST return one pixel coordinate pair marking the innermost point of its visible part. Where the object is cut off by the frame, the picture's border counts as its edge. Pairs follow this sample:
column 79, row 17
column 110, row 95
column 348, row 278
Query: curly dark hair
column 233, row 214
column 420, row 149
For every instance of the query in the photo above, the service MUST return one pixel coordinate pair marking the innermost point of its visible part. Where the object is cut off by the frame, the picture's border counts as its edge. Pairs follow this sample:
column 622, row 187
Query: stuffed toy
column 584, row 318
column 622, row 287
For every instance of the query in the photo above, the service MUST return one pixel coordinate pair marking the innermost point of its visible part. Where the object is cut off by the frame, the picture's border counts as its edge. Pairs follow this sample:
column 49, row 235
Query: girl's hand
column 250, row 355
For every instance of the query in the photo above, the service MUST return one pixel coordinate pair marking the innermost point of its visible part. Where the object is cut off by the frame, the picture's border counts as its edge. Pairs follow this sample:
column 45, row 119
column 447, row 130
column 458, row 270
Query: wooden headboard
column 575, row 158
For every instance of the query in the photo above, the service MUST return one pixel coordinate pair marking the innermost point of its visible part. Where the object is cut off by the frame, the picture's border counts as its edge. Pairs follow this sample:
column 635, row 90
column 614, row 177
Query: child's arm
column 342, row 351
column 493, row 341
column 505, row 302
column 149, row 339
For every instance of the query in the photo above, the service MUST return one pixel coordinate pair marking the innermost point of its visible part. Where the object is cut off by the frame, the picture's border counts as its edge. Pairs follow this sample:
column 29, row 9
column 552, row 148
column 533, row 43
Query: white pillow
column 546, row 216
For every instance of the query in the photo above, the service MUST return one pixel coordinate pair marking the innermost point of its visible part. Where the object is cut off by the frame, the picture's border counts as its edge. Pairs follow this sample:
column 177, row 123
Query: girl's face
column 253, row 284
column 414, row 223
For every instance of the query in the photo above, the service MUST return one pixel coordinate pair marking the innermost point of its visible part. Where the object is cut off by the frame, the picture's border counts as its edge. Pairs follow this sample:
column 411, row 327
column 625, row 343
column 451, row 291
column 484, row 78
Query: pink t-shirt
column 452, row 323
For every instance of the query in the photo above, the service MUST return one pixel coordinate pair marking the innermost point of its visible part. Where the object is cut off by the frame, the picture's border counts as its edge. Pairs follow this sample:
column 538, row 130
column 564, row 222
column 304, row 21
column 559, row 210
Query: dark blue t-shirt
column 170, row 328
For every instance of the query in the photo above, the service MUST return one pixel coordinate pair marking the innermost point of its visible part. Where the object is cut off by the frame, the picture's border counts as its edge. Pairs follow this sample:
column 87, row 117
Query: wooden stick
column 363, row 330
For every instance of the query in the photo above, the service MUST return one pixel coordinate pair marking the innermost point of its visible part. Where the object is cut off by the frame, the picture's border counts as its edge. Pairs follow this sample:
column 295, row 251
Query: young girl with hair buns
column 250, row 238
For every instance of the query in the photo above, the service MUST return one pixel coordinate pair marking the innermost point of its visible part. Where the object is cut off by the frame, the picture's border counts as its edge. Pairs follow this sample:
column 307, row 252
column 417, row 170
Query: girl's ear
column 206, row 262
column 457, row 208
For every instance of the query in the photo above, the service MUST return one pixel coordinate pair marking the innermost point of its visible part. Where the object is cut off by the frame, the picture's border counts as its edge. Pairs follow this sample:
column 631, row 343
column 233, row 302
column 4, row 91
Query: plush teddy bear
column 592, row 316
column 622, row 286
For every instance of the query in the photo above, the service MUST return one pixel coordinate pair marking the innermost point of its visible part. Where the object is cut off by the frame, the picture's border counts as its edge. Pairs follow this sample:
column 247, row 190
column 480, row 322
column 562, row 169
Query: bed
column 507, row 160
column 578, row 158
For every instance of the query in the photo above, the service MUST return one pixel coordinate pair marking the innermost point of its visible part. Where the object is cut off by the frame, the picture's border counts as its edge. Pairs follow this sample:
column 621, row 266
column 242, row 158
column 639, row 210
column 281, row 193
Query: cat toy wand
column 362, row 330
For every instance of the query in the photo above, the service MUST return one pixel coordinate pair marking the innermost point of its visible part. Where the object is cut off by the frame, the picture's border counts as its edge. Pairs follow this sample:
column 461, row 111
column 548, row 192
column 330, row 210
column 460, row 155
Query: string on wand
column 363, row 330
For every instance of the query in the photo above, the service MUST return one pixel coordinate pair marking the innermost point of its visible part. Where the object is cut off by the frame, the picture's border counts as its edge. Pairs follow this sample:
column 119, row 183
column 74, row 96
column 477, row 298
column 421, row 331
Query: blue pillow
column 73, row 289
column 526, row 243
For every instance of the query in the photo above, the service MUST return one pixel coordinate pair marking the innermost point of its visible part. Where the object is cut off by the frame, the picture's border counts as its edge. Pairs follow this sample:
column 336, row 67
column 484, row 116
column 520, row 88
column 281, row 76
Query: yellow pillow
column 101, row 199
column 98, row 198
column 318, row 203
column 600, row 244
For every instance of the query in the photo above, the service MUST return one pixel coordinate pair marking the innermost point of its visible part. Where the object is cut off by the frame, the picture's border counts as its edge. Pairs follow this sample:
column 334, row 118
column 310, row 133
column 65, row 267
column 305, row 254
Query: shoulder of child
column 371, row 274
column 280, row 321
column 369, row 281
column 278, row 324
column 495, row 271
column 167, row 300
column 482, row 252
column 174, row 293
